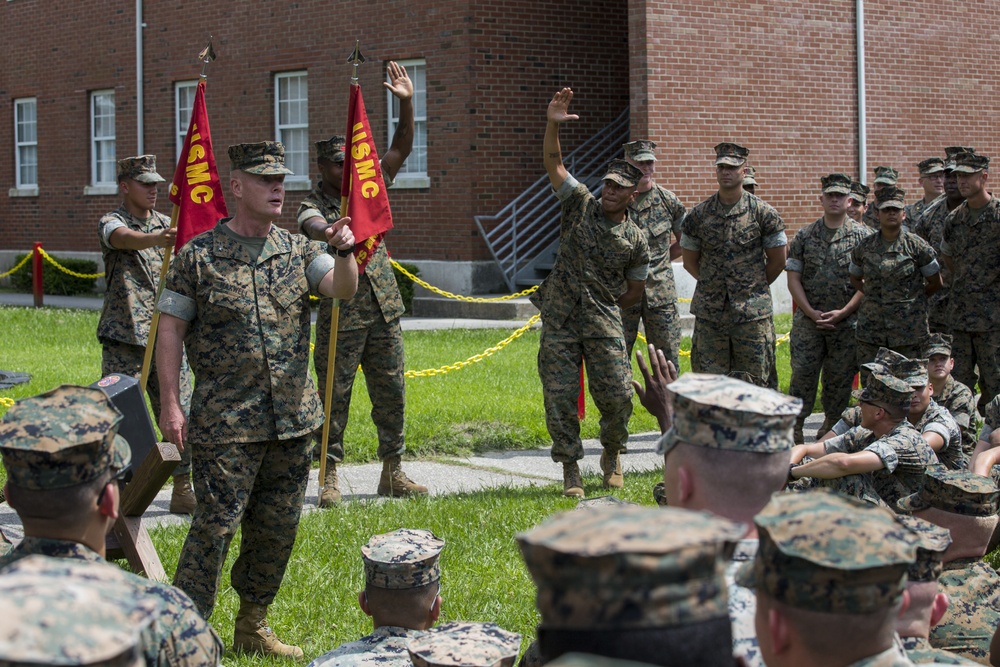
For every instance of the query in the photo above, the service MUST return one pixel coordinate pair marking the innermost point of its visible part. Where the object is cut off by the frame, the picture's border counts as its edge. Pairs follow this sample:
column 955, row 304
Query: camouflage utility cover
column 64, row 437
column 404, row 558
column 637, row 567
column 725, row 413
column 465, row 644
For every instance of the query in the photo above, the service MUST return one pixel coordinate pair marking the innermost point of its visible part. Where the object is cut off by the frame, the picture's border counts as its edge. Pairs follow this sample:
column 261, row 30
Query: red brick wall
column 491, row 70
column 780, row 77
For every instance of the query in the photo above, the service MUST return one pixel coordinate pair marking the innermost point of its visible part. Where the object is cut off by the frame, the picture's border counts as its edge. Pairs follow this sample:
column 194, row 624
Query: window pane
column 291, row 119
column 416, row 163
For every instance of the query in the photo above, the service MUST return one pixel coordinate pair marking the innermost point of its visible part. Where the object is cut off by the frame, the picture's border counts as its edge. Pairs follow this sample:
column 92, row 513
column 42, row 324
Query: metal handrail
column 529, row 224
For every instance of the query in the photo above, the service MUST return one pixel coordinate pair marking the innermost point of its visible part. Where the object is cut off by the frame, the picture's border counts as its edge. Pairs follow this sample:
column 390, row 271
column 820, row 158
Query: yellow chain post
column 19, row 265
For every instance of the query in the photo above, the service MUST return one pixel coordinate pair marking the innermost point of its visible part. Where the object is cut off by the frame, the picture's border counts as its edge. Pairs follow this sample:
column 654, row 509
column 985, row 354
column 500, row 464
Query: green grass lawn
column 483, row 576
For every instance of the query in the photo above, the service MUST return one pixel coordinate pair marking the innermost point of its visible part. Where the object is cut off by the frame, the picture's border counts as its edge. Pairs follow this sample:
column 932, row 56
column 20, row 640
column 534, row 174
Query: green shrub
column 55, row 281
column 406, row 285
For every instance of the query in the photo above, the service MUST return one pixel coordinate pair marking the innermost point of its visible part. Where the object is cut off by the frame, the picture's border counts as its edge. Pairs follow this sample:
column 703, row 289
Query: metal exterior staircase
column 523, row 236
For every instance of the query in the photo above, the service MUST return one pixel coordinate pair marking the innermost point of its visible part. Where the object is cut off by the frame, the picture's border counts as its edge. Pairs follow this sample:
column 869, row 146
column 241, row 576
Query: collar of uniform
column 652, row 197
column 48, row 546
column 746, row 550
column 960, row 563
column 739, row 208
column 225, row 246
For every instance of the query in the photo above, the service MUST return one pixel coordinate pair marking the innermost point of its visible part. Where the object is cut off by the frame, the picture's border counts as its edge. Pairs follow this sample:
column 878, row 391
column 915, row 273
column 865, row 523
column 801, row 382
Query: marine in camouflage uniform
column 604, row 573
column 747, row 429
column 42, row 623
column 63, row 445
column 844, row 462
column 884, row 176
column 657, row 212
column 932, row 181
column 837, row 559
column 401, row 561
column 972, row 586
column 601, row 266
column 465, row 643
column 858, row 203
column 933, row 421
column 368, row 328
column 914, row 623
column 930, row 227
column 238, row 297
column 132, row 241
column 896, row 270
column 735, row 248
column 823, row 337
column 949, row 392
column 971, row 248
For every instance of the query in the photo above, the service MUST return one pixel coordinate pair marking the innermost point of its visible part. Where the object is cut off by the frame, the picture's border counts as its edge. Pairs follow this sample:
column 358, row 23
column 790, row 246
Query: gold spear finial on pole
column 356, row 58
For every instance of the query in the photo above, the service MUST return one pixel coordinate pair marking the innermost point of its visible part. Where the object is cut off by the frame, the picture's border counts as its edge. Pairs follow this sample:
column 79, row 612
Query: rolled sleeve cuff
column 885, row 452
column 838, row 444
column 307, row 213
column 177, row 305
column 318, row 268
column 796, row 265
column 856, row 270
column 841, row 427
column 690, row 243
column 567, row 187
column 940, row 429
column 984, row 433
column 108, row 229
column 637, row 272
column 775, row 240
column 930, row 269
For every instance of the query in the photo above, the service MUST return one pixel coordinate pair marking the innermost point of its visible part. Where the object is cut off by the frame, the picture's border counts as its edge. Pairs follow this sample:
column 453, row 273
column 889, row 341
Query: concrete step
column 512, row 309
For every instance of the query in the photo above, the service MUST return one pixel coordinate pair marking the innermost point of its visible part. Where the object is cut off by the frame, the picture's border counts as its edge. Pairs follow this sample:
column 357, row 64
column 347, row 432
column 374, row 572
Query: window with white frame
column 291, row 121
column 184, row 92
column 25, row 143
column 413, row 173
column 103, row 168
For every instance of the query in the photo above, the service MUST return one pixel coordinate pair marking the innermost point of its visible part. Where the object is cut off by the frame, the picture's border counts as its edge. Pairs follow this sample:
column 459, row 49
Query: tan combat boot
column 331, row 487
column 252, row 634
column 394, row 481
column 612, row 469
column 182, row 499
column 572, row 481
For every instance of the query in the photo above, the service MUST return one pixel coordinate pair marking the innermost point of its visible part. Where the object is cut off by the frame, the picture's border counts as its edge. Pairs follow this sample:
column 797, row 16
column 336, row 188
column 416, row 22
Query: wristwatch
column 343, row 253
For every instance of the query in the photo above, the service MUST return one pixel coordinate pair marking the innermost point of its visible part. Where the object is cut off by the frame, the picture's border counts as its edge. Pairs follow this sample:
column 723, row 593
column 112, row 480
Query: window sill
column 23, row 192
column 403, row 182
column 298, row 186
column 100, row 190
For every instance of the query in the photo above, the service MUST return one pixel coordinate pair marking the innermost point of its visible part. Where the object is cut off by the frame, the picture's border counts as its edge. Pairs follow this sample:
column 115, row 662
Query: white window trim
column 19, row 187
column 99, row 187
column 181, row 131
column 296, row 181
column 414, row 180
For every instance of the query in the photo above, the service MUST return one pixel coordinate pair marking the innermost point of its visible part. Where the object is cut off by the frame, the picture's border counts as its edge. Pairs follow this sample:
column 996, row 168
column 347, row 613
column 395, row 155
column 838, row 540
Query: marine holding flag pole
column 196, row 192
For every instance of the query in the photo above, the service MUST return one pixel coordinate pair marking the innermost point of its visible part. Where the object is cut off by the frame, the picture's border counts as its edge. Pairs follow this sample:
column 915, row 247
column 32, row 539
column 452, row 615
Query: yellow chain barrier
column 6, row 402
column 488, row 352
column 471, row 299
column 19, row 265
column 50, row 260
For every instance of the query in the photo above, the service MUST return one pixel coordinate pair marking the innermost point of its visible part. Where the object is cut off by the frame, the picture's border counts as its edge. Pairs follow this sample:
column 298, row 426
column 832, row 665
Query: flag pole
column 356, row 58
column 206, row 56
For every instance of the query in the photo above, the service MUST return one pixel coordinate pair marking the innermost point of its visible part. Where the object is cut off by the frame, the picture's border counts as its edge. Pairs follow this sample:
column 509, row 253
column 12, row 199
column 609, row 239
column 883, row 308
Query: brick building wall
column 491, row 68
column 780, row 77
